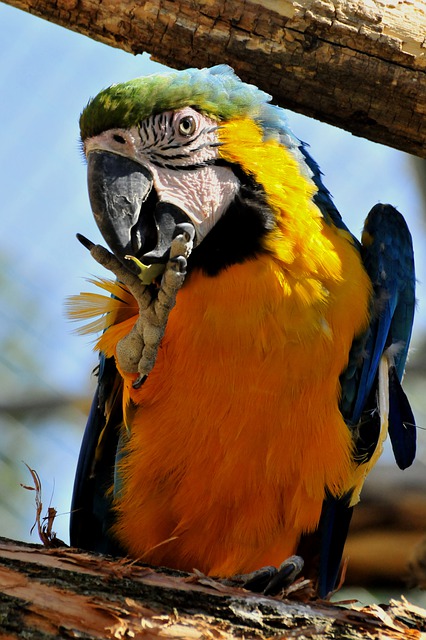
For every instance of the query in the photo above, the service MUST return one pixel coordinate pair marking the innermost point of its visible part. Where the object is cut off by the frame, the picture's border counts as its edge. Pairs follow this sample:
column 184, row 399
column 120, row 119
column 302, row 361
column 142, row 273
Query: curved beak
column 127, row 211
column 118, row 187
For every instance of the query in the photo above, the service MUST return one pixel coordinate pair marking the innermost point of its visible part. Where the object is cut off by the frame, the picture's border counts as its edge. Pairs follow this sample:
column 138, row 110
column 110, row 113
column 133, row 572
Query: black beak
column 127, row 211
column 117, row 189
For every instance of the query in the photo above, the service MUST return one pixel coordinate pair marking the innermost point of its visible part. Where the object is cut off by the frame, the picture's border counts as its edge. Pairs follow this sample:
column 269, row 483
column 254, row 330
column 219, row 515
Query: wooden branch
column 46, row 593
column 358, row 65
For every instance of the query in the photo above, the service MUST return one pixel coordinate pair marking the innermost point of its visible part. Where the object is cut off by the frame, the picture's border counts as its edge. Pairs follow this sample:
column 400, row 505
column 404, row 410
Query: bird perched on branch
column 251, row 349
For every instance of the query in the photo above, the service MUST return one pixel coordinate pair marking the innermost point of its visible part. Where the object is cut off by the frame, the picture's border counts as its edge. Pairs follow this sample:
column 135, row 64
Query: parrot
column 251, row 348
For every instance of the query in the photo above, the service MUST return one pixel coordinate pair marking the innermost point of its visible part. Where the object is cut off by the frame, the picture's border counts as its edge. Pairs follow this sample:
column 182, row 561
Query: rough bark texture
column 358, row 65
column 47, row 594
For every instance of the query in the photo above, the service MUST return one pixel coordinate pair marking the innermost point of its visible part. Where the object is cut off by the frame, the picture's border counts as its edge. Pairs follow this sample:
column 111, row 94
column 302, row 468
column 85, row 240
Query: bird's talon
column 139, row 382
column 258, row 581
column 186, row 229
column 270, row 580
column 179, row 262
column 88, row 244
column 285, row 576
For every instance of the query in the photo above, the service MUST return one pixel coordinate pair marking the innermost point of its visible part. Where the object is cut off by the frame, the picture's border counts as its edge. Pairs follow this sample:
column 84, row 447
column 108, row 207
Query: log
column 62, row 592
column 357, row 65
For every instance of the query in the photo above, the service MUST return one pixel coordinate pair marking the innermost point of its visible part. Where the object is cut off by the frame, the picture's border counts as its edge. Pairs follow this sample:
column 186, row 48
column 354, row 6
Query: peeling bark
column 358, row 65
column 51, row 593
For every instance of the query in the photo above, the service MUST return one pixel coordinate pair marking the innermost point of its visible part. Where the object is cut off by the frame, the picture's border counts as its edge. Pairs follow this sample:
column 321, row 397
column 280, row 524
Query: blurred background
column 47, row 75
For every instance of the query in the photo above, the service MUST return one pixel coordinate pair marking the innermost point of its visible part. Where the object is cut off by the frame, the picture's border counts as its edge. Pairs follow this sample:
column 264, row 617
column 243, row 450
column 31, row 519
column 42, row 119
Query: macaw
column 251, row 348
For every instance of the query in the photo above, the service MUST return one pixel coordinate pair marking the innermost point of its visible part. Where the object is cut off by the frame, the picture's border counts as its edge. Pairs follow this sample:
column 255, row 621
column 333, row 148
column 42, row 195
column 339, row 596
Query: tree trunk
column 51, row 593
column 358, row 65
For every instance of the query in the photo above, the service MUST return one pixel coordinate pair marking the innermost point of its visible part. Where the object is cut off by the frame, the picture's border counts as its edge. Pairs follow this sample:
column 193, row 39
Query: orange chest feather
column 237, row 431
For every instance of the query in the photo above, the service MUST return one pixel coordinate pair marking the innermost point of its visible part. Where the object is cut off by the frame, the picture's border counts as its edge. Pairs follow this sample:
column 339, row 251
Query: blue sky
column 47, row 75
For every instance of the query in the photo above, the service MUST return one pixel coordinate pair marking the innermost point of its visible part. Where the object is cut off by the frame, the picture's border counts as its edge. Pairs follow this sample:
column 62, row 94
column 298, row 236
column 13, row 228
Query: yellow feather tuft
column 115, row 308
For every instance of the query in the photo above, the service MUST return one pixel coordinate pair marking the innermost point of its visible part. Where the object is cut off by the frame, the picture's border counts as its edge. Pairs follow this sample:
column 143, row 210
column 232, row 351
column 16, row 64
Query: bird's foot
column 137, row 352
column 270, row 580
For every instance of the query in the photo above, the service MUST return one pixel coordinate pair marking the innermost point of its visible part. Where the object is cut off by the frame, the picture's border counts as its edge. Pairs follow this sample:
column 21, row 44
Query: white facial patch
column 203, row 194
column 179, row 148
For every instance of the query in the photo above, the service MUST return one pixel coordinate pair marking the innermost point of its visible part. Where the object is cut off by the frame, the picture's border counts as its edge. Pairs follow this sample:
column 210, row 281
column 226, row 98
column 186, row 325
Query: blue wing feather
column 402, row 425
column 387, row 255
column 91, row 513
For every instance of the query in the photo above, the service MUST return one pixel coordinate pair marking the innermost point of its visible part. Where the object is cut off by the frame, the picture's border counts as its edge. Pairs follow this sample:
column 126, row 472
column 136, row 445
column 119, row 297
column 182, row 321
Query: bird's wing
column 91, row 514
column 372, row 399
column 387, row 253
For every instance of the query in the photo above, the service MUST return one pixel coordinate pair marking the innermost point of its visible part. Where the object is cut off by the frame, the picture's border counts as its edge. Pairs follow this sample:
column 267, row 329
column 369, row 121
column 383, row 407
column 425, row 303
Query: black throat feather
column 238, row 235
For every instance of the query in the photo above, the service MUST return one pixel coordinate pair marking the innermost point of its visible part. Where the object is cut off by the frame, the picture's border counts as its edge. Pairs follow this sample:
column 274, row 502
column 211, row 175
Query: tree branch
column 358, row 65
column 47, row 593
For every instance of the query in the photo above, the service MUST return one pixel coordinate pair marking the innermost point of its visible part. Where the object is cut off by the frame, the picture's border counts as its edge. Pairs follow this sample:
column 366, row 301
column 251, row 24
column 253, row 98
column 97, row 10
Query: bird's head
column 180, row 147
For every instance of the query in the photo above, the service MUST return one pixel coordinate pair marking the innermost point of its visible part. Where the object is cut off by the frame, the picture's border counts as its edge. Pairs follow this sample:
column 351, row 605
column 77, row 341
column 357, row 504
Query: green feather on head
column 216, row 92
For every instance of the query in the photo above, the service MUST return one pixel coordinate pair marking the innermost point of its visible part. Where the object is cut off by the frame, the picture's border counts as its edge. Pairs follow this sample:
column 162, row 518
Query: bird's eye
column 119, row 138
column 187, row 126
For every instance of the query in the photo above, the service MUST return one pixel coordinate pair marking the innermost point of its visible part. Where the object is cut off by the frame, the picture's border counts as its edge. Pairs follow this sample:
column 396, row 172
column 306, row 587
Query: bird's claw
column 270, row 580
column 137, row 352
column 184, row 235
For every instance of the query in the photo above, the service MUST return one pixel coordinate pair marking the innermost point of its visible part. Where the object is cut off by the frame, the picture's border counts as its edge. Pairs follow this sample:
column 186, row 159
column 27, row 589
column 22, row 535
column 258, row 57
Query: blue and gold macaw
column 252, row 349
